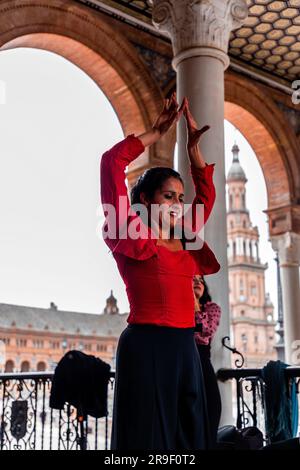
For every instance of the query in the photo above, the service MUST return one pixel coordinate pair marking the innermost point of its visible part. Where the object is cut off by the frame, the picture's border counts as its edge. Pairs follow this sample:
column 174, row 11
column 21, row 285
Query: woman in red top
column 159, row 392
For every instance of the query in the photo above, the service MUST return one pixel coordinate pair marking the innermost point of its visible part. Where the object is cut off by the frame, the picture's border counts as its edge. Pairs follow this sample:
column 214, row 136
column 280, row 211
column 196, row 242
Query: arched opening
column 88, row 42
column 41, row 366
column 25, row 366
column 9, row 366
column 256, row 116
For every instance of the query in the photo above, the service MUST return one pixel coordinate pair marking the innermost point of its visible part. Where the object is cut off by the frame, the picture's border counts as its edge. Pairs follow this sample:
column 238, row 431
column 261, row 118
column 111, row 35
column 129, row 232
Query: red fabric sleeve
column 113, row 187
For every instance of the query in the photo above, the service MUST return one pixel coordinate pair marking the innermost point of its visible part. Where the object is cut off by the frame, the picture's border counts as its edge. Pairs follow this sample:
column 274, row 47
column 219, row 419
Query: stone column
column 199, row 31
column 288, row 248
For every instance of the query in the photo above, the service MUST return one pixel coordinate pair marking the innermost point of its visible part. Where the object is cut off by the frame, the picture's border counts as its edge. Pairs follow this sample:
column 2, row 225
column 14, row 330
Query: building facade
column 35, row 339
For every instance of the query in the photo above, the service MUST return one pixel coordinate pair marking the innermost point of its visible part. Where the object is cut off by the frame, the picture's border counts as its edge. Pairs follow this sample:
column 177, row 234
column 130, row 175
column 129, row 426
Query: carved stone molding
column 288, row 247
column 199, row 27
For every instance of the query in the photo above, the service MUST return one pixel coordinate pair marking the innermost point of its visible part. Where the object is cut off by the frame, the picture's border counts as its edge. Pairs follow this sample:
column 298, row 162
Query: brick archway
column 257, row 117
column 251, row 108
column 86, row 39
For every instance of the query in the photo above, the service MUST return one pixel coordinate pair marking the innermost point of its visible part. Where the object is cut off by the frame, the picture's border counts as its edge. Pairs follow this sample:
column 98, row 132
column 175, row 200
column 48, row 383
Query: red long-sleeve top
column 159, row 282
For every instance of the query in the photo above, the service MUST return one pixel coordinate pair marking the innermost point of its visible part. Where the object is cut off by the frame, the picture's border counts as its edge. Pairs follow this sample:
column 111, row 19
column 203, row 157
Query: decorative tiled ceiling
column 269, row 40
column 270, row 37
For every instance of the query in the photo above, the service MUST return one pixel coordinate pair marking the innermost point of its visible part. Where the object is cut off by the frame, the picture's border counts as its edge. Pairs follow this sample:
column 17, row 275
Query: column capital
column 287, row 246
column 199, row 27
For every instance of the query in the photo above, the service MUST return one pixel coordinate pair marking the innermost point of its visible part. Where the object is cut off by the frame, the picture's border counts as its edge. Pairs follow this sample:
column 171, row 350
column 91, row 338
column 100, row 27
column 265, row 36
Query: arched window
column 253, row 289
column 9, row 366
column 25, row 366
column 41, row 366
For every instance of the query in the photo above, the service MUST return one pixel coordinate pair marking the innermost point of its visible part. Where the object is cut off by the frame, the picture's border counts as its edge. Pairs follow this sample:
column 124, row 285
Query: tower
column 111, row 304
column 251, row 309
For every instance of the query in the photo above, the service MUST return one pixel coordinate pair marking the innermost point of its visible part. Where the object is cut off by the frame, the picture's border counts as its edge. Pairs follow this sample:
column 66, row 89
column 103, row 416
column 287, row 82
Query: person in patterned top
column 207, row 319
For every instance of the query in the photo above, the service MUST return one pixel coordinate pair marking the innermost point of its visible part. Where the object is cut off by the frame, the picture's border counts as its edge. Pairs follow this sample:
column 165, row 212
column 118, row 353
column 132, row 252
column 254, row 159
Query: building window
column 41, row 366
column 242, row 312
column 38, row 343
column 253, row 289
column 241, row 287
column 25, row 366
column 9, row 366
column 244, row 341
column 255, row 339
column 21, row 343
column 5, row 341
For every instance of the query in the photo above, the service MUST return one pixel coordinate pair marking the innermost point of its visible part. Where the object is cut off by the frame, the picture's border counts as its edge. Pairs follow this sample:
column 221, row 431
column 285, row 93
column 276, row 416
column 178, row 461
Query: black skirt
column 159, row 398
column 214, row 404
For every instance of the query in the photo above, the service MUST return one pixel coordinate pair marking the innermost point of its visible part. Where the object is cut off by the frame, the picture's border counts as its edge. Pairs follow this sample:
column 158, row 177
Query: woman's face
column 198, row 286
column 170, row 200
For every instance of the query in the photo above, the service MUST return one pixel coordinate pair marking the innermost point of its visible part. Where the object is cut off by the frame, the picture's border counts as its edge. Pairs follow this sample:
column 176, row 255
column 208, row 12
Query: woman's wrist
column 150, row 137
column 156, row 130
column 195, row 156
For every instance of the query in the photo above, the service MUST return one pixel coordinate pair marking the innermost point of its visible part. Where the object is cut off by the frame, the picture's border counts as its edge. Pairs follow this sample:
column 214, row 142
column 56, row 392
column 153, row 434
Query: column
column 199, row 31
column 287, row 247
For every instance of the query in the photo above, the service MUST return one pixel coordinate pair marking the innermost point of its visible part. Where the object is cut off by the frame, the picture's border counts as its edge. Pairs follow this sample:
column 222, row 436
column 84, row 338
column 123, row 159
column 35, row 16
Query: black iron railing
column 27, row 422
column 250, row 395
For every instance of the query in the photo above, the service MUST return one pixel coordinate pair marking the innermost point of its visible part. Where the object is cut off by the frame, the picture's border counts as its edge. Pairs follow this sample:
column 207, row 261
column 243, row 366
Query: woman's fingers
column 204, row 129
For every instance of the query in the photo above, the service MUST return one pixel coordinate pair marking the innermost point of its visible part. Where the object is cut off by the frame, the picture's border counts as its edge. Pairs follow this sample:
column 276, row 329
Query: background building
column 251, row 308
column 36, row 338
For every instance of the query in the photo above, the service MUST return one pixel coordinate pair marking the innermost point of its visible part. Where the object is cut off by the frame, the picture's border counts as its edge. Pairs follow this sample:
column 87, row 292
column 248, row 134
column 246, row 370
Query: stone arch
column 85, row 38
column 253, row 111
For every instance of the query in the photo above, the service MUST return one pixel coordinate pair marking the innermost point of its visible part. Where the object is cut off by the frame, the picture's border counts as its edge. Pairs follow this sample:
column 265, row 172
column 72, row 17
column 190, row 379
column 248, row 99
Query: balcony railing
column 249, row 394
column 27, row 422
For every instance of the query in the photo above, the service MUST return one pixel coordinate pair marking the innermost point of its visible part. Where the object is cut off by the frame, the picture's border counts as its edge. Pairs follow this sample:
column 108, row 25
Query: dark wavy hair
column 206, row 297
column 151, row 180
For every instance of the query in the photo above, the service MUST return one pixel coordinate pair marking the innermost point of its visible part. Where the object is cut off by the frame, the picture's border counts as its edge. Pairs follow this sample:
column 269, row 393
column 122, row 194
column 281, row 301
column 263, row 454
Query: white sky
column 55, row 124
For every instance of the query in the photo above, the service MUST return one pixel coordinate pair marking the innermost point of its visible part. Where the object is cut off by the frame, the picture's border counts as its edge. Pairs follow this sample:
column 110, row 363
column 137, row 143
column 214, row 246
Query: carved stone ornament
column 199, row 24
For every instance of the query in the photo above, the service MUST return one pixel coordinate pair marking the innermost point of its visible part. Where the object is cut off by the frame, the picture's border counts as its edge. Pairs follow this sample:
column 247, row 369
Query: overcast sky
column 55, row 124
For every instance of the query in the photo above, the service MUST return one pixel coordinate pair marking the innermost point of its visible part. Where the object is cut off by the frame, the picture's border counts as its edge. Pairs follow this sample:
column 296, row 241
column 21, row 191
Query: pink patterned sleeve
column 209, row 321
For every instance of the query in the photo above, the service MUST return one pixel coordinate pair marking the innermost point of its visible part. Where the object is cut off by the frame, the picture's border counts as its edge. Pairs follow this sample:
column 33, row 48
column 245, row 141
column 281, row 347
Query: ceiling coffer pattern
column 269, row 39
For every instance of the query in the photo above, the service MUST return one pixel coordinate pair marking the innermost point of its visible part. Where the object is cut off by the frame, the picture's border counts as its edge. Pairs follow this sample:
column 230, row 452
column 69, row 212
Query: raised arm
column 113, row 165
column 202, row 173
column 112, row 179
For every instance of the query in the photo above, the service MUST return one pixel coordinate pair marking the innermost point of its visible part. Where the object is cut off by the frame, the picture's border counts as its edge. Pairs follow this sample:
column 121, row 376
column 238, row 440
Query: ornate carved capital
column 288, row 247
column 199, row 27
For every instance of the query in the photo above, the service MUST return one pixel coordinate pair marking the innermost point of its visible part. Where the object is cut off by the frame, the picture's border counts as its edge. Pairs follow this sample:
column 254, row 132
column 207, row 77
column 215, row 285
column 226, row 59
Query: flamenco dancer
column 159, row 400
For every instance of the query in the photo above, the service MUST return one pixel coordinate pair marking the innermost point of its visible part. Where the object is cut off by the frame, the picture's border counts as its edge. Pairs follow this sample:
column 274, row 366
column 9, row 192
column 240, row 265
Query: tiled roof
column 60, row 321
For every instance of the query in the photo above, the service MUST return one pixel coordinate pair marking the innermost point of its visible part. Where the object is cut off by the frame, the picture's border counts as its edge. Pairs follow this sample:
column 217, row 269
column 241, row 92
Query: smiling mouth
column 174, row 213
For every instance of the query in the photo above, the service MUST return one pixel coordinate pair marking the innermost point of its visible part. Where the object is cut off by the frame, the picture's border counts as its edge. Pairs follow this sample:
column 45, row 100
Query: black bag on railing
column 231, row 438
